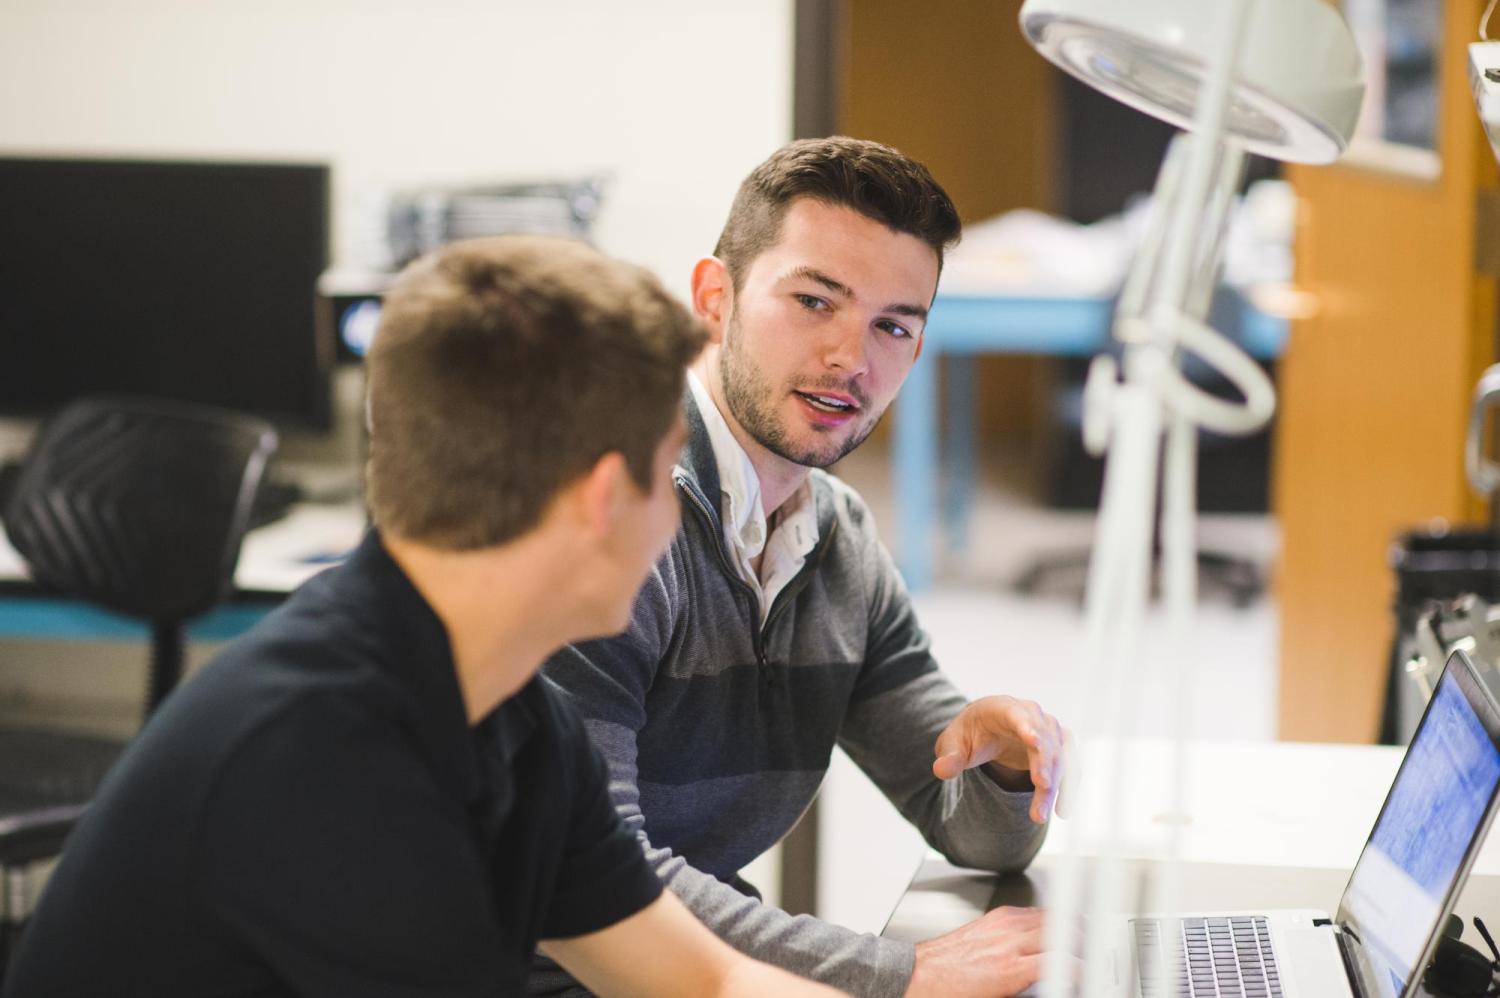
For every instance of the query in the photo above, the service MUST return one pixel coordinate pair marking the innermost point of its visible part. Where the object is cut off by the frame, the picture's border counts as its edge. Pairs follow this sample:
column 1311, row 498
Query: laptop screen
column 1408, row 875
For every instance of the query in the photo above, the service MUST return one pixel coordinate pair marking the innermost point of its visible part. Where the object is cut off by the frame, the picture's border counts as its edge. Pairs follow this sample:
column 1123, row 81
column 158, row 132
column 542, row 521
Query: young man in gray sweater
column 777, row 626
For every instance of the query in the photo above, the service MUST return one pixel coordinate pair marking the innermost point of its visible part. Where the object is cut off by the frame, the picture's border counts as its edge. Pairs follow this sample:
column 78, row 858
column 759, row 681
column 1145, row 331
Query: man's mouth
column 828, row 403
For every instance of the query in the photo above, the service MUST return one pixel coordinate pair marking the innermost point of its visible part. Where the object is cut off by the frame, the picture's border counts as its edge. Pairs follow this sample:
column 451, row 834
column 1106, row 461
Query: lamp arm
column 1193, row 196
column 1203, row 409
column 1153, row 397
column 1215, row 230
column 1144, row 268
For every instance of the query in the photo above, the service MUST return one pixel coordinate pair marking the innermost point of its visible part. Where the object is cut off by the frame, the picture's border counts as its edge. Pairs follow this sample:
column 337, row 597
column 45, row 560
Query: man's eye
column 810, row 302
column 894, row 328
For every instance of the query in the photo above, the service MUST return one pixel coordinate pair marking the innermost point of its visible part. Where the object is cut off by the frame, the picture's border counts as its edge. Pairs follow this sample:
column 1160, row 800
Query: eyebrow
column 840, row 288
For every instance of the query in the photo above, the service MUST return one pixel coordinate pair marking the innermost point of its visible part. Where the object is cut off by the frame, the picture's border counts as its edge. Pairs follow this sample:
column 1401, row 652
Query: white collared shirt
column 745, row 525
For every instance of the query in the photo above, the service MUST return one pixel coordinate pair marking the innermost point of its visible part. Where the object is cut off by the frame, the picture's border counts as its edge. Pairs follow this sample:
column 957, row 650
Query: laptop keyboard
column 1206, row 958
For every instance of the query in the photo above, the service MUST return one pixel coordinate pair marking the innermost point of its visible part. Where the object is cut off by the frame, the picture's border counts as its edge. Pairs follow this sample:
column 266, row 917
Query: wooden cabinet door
column 1374, row 395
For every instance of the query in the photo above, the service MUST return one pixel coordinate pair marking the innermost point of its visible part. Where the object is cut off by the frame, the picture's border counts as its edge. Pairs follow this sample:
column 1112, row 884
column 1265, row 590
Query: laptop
column 1401, row 892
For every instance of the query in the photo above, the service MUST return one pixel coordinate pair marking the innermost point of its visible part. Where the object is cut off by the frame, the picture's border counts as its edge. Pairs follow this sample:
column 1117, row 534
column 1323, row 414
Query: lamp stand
column 1146, row 415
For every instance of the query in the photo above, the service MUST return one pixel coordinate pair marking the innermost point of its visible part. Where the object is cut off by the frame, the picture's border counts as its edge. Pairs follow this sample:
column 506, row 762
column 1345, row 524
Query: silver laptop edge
column 1479, row 696
column 1365, row 971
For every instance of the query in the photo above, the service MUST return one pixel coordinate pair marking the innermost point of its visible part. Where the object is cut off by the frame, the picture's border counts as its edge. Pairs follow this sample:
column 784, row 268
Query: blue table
column 275, row 559
column 25, row 615
column 959, row 327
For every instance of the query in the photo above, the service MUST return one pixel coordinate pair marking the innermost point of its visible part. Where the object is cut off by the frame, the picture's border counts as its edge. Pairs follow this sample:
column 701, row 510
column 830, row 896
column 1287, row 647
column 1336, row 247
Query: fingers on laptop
column 999, row 953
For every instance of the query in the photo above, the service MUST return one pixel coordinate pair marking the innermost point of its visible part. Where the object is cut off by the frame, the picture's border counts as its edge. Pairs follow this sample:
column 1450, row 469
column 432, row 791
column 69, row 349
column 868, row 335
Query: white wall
column 678, row 99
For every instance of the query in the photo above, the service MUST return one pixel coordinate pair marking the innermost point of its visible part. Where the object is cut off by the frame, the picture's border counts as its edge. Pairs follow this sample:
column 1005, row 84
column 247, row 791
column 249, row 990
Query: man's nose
column 846, row 349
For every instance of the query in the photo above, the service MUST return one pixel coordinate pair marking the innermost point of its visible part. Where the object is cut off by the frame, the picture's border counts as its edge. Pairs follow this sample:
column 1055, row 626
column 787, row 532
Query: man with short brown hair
column 372, row 793
column 503, row 370
column 777, row 625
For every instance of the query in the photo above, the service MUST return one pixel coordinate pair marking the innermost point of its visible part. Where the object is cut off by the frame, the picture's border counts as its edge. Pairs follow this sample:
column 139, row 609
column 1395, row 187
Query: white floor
column 990, row 640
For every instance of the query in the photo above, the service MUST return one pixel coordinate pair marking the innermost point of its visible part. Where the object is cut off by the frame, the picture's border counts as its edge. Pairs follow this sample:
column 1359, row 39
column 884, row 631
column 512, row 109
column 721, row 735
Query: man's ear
column 602, row 493
column 711, row 295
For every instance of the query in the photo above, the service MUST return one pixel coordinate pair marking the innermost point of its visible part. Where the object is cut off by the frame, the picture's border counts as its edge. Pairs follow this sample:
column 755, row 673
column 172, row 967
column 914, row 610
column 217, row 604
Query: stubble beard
column 752, row 400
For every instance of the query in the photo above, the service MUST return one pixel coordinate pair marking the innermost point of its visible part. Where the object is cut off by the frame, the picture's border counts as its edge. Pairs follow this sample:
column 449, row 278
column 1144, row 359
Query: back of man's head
column 504, row 369
column 875, row 180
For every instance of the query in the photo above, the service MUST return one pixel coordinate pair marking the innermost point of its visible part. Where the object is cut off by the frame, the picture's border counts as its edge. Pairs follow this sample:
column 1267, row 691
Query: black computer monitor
column 185, row 280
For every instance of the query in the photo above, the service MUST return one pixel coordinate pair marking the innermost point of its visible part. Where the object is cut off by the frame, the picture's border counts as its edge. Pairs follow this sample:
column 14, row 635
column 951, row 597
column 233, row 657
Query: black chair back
column 140, row 505
column 137, row 505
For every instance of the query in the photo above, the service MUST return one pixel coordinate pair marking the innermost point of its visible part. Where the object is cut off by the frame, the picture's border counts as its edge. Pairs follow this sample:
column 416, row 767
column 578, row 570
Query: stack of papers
column 1031, row 254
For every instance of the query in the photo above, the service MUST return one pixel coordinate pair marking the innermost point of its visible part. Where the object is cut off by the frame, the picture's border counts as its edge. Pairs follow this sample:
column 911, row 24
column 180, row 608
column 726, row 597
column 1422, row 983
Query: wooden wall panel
column 1374, row 392
column 964, row 93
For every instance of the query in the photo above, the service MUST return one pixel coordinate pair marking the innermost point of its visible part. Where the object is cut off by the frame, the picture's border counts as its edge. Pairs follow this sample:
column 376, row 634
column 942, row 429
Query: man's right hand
column 996, row 955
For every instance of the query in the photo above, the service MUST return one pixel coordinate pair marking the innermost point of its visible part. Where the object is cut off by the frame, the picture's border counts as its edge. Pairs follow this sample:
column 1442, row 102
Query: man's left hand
column 1016, row 738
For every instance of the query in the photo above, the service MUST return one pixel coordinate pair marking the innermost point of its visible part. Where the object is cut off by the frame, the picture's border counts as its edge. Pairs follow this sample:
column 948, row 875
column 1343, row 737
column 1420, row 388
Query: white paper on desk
column 281, row 556
column 12, row 565
column 1029, row 253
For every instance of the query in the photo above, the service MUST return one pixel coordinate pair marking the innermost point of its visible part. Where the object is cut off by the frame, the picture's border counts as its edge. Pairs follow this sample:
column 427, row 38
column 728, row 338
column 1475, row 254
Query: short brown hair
column 875, row 180
column 503, row 369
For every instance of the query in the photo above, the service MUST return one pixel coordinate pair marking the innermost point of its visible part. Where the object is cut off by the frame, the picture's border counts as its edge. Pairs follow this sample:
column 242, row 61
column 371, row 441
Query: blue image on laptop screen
column 1396, row 893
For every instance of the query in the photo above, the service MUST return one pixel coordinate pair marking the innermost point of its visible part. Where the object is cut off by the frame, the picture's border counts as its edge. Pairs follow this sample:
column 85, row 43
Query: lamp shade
column 1297, row 86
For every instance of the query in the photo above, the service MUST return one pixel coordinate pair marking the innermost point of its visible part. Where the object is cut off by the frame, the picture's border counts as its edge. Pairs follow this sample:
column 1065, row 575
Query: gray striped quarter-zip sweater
column 718, row 730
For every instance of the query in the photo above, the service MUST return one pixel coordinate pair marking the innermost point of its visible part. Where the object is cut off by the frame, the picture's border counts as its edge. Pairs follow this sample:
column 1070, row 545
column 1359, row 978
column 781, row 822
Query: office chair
column 139, row 506
column 1233, row 477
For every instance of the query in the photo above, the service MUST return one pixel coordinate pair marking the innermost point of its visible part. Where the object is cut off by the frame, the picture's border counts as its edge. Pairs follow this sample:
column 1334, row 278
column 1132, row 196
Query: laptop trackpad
column 1310, row 958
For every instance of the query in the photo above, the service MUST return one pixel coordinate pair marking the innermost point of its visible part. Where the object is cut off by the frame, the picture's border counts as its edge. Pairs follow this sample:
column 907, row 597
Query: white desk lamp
column 1281, row 78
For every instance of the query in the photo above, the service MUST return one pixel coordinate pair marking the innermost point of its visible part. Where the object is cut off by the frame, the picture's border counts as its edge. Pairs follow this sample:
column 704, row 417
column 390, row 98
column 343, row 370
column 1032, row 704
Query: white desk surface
column 1265, row 803
column 1299, row 813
